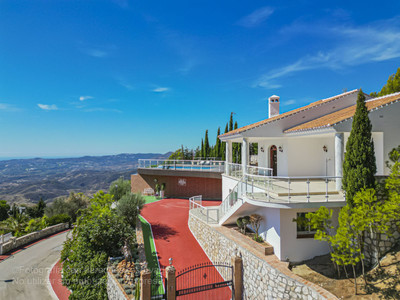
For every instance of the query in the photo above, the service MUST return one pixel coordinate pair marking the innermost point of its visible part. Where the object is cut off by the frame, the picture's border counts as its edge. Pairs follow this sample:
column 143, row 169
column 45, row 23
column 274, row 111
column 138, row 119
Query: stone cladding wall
column 264, row 277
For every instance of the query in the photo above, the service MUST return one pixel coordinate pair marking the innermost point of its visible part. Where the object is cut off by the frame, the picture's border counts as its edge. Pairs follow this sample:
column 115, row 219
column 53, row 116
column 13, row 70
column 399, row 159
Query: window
column 303, row 230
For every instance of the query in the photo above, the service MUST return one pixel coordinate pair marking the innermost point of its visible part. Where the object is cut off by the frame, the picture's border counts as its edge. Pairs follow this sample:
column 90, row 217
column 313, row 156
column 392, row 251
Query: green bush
column 99, row 234
column 57, row 219
column 129, row 207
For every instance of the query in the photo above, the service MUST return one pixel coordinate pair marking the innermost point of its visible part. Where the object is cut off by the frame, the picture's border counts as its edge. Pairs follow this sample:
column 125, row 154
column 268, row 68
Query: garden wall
column 264, row 277
column 31, row 237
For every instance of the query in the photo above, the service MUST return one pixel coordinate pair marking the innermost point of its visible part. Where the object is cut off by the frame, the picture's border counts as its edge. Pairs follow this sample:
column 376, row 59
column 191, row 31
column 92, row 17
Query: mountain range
column 28, row 180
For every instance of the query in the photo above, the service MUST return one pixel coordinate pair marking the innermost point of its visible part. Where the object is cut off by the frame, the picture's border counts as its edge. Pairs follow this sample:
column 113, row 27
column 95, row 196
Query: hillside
column 27, row 180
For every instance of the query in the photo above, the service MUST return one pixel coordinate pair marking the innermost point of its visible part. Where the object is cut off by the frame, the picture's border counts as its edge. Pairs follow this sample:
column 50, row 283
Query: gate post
column 237, row 264
column 171, row 283
column 145, row 284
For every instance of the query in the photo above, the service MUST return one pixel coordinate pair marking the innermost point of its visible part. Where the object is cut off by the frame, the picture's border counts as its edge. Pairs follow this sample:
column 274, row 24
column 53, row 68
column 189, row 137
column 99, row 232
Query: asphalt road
column 25, row 275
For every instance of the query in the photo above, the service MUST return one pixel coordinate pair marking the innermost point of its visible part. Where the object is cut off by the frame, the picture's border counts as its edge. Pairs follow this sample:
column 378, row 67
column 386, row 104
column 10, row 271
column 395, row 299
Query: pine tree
column 359, row 165
column 217, row 144
column 392, row 85
column 206, row 146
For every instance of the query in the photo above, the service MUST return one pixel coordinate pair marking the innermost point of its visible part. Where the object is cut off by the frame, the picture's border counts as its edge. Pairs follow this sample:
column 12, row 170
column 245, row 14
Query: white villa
column 298, row 166
column 294, row 167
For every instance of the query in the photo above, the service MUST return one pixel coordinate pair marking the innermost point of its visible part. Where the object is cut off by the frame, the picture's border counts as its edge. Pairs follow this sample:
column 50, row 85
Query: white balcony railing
column 292, row 189
column 209, row 214
column 183, row 165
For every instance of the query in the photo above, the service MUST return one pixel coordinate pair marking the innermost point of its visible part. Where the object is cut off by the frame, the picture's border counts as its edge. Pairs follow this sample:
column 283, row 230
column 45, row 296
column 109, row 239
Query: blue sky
column 103, row 77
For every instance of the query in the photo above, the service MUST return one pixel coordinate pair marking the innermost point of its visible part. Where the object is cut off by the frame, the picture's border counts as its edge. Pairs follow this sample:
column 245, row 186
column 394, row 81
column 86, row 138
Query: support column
column 228, row 155
column 237, row 264
column 339, row 157
column 171, row 283
column 145, row 285
column 245, row 150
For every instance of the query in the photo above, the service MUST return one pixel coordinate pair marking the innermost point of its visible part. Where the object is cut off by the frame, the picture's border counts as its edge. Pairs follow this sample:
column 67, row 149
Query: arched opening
column 273, row 160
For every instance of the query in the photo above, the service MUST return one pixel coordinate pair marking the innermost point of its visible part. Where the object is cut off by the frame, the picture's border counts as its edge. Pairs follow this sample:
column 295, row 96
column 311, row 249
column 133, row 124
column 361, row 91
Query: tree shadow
column 163, row 231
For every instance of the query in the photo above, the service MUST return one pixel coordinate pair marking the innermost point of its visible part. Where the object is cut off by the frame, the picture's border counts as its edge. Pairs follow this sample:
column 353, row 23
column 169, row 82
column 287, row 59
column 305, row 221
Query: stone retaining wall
column 31, row 237
column 114, row 289
column 264, row 277
column 384, row 244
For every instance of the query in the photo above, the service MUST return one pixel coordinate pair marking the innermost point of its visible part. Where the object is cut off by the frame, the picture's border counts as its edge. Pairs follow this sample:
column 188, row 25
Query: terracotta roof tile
column 344, row 114
column 286, row 114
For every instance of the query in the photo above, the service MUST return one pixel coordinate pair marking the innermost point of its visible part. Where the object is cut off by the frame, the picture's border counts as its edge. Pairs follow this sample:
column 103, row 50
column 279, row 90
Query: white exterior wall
column 270, row 229
column 295, row 249
column 228, row 183
column 380, row 155
column 307, row 157
column 263, row 157
column 385, row 132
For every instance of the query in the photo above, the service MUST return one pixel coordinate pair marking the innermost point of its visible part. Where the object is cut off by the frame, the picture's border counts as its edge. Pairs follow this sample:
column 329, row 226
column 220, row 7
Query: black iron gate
column 205, row 277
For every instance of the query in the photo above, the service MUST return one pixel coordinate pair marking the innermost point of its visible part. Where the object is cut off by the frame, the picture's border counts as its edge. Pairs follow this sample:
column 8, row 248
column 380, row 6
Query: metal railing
column 208, row 214
column 234, row 170
column 234, row 196
column 190, row 165
column 255, row 170
column 292, row 189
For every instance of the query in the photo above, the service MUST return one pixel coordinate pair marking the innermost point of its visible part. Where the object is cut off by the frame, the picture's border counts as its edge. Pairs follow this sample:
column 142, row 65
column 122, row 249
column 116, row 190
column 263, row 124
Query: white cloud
column 4, row 106
column 288, row 102
column 352, row 46
column 96, row 53
column 256, row 17
column 48, row 107
column 126, row 85
column 161, row 89
column 83, row 98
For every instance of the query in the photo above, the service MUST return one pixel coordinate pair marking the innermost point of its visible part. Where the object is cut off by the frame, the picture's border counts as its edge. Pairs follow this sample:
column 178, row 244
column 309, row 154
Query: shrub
column 119, row 188
column 255, row 221
column 129, row 207
column 60, row 218
column 99, row 234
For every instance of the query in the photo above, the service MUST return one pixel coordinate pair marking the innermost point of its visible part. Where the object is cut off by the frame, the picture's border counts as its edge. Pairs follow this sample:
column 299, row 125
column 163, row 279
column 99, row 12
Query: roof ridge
column 382, row 97
column 288, row 113
column 343, row 114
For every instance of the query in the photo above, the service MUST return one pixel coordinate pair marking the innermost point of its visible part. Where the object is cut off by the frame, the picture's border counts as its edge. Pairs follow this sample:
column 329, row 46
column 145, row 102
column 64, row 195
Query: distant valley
column 28, row 180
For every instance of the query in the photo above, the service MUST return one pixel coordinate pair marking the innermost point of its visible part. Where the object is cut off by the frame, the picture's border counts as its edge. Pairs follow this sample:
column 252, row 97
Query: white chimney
column 273, row 106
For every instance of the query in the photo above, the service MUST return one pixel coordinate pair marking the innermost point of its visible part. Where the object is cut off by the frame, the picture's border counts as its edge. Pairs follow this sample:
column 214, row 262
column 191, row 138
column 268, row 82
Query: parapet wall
column 264, row 277
column 14, row 243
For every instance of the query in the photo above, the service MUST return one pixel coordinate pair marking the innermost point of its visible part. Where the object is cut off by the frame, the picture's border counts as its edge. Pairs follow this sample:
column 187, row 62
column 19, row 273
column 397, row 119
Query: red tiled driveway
column 173, row 239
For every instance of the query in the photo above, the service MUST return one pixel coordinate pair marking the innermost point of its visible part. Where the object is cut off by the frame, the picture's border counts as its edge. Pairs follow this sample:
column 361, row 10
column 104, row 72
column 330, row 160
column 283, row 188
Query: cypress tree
column 223, row 145
column 206, row 146
column 359, row 165
column 217, row 144
column 231, row 122
column 202, row 149
column 238, row 148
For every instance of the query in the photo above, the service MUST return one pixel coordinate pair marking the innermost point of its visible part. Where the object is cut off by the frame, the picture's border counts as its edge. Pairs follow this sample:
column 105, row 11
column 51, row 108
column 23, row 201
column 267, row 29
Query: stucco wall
column 298, row 249
column 264, row 277
column 384, row 120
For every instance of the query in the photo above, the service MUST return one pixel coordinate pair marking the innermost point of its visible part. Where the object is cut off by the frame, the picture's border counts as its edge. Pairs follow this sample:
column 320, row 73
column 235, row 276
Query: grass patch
column 150, row 199
column 151, row 257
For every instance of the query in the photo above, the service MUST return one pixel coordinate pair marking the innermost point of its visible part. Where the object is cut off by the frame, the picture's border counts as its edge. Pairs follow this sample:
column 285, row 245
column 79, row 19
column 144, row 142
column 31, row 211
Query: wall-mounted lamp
column 325, row 148
column 262, row 149
column 280, row 149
